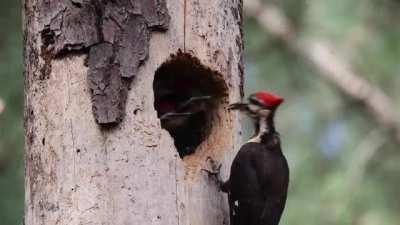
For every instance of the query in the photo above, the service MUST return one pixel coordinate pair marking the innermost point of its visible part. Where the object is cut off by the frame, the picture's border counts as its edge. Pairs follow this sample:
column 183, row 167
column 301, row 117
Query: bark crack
column 73, row 146
column 176, row 190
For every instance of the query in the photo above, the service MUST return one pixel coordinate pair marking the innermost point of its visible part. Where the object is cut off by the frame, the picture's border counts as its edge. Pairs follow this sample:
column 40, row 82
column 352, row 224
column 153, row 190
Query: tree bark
column 79, row 171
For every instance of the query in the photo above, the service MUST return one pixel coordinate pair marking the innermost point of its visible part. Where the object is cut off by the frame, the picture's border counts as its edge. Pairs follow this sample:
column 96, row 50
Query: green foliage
column 322, row 130
column 11, row 125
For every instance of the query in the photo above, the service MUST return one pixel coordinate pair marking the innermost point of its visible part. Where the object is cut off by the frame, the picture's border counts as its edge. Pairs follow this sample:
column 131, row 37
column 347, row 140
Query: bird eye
column 256, row 101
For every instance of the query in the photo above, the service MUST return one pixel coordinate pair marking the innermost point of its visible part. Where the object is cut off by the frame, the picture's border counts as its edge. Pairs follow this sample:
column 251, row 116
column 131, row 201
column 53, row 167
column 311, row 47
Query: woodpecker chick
column 258, row 183
column 179, row 115
column 182, row 117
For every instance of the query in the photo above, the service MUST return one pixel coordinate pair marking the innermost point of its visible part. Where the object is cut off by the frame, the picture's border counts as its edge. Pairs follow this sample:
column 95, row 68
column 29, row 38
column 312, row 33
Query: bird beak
column 238, row 106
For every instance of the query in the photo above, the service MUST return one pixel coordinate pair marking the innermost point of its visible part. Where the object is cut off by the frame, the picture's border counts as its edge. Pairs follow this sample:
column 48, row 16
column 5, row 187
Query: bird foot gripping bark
column 214, row 172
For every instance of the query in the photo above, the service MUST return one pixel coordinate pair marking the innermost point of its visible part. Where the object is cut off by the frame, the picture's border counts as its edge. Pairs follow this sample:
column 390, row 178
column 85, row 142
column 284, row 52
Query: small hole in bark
column 77, row 3
column 48, row 36
column 187, row 95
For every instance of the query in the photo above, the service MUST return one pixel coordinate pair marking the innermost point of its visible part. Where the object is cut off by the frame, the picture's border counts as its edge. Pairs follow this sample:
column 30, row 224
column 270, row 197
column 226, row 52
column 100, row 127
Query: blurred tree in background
column 11, row 122
column 345, row 167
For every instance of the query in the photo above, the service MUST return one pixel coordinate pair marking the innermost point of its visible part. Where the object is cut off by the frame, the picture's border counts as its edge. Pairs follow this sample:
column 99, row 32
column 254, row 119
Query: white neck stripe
column 263, row 130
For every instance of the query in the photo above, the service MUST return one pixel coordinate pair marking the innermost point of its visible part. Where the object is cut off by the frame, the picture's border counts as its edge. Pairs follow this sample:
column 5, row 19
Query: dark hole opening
column 187, row 95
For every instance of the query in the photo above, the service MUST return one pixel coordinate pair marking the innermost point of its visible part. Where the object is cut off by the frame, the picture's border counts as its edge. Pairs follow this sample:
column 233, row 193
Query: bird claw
column 215, row 171
column 215, row 167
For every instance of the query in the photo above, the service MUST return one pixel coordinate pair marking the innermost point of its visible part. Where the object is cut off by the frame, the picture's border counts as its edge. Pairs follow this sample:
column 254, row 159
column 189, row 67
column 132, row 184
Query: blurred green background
column 11, row 123
column 344, row 166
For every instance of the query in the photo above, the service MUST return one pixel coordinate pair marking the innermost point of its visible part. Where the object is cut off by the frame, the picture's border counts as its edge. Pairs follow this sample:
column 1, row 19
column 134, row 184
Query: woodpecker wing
column 273, row 171
column 259, row 181
column 274, row 174
column 272, row 211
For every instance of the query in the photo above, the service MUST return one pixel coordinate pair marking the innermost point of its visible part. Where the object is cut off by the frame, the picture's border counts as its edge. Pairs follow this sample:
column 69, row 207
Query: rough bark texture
column 78, row 172
column 91, row 25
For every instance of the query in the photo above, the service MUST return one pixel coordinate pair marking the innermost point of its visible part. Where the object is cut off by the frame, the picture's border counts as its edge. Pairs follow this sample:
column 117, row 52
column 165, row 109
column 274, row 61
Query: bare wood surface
column 328, row 63
column 213, row 34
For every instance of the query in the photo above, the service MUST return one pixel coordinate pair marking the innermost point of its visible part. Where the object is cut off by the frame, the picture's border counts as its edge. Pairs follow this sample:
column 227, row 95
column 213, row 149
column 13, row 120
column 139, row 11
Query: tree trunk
column 96, row 151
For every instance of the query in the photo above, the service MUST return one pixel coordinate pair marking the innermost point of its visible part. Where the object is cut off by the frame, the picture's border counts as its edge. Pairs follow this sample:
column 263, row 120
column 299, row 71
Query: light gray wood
column 213, row 34
column 78, row 173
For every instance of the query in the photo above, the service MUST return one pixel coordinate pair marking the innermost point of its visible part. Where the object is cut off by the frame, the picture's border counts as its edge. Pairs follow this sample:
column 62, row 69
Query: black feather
column 258, row 183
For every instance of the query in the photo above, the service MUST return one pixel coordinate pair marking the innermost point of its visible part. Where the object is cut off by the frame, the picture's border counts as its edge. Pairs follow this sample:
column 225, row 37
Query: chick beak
column 238, row 106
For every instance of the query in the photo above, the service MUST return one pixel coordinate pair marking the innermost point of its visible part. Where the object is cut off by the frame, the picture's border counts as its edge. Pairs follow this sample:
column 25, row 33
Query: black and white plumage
column 259, row 178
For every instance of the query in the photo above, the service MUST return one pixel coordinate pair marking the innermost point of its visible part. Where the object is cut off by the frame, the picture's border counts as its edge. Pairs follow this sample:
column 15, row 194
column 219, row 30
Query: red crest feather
column 268, row 99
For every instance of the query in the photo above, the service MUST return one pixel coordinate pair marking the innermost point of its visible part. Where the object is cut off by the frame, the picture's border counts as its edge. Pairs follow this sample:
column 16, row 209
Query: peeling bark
column 80, row 25
column 106, row 84
column 132, row 46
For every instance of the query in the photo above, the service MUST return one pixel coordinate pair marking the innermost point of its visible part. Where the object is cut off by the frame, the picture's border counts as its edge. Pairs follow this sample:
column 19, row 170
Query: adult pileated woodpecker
column 259, row 178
